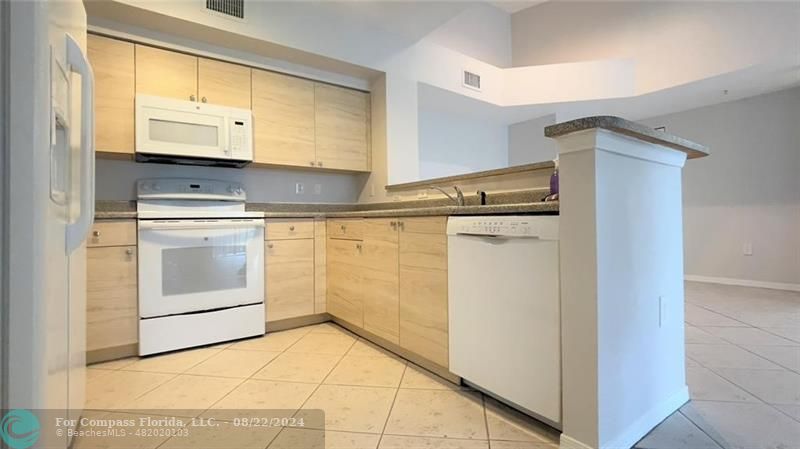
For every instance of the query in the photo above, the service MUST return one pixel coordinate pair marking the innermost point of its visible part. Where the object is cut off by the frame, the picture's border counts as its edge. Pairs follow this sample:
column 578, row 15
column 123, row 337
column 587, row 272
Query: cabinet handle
column 319, row 163
column 96, row 233
column 402, row 225
column 311, row 163
column 203, row 99
column 129, row 251
column 192, row 98
column 358, row 246
column 269, row 245
column 393, row 224
column 342, row 227
column 291, row 228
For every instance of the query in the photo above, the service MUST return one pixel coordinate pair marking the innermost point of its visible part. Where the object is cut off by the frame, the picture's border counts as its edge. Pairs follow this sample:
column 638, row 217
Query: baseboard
column 649, row 421
column 743, row 282
column 440, row 371
column 567, row 442
column 112, row 353
column 291, row 323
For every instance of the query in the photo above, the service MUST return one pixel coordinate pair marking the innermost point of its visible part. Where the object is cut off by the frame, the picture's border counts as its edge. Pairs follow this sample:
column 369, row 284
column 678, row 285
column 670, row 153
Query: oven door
column 199, row 265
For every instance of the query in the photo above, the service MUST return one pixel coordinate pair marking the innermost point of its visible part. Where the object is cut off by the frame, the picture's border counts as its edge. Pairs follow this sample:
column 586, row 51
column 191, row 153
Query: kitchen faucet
column 458, row 199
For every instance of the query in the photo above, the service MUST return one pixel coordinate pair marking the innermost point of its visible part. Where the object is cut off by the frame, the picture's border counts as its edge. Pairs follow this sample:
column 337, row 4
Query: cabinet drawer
column 112, row 233
column 350, row 229
column 289, row 229
column 424, row 225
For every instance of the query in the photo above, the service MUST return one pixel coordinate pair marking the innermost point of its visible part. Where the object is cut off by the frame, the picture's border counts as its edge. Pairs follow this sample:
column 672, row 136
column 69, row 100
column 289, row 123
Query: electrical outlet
column 747, row 249
column 299, row 188
column 317, row 189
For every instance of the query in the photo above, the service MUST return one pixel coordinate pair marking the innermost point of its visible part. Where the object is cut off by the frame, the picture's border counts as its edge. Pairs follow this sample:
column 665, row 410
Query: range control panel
column 195, row 189
column 531, row 226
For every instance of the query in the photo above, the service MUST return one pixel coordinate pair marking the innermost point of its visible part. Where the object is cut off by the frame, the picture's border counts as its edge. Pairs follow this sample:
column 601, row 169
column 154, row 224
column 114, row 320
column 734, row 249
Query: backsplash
column 116, row 180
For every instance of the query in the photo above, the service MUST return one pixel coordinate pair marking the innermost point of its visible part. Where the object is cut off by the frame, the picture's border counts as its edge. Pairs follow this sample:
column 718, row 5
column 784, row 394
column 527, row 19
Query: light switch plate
column 299, row 188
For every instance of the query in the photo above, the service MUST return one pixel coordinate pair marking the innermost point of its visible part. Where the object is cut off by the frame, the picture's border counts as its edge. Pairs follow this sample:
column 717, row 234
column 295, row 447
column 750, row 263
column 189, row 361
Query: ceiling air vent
column 471, row 80
column 231, row 8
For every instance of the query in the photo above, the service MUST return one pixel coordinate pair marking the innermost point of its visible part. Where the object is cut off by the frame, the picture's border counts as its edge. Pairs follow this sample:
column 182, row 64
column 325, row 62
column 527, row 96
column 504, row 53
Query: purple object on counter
column 554, row 180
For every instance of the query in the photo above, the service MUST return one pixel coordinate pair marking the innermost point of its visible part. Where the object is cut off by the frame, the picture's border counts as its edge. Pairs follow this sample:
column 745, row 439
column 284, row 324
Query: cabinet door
column 320, row 266
column 344, row 296
column 165, row 73
column 223, row 83
column 289, row 278
column 423, row 295
column 111, row 298
column 379, row 268
column 112, row 63
column 342, row 128
column 283, row 119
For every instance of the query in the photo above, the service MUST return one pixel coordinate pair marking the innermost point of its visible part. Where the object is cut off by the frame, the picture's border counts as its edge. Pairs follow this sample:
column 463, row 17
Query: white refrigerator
column 50, row 204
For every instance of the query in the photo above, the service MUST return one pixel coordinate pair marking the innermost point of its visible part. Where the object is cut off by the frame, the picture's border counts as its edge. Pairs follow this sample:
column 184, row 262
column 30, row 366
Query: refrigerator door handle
column 78, row 63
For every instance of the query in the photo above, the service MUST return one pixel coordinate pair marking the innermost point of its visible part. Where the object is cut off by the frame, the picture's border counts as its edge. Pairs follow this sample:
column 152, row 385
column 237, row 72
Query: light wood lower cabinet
column 379, row 283
column 423, row 295
column 289, row 278
column 344, row 296
column 320, row 266
column 111, row 292
column 393, row 283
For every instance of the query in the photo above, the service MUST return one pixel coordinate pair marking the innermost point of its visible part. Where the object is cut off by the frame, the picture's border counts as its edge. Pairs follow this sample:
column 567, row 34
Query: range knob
column 230, row 188
column 239, row 191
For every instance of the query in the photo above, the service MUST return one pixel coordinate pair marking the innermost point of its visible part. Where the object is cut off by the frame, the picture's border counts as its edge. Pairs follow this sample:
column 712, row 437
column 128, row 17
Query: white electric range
column 201, row 264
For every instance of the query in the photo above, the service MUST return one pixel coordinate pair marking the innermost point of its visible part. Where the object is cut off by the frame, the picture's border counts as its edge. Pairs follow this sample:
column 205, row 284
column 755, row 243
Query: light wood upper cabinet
column 423, row 291
column 283, row 119
column 379, row 281
column 113, row 65
column 223, row 83
column 345, row 293
column 165, row 73
column 289, row 276
column 342, row 128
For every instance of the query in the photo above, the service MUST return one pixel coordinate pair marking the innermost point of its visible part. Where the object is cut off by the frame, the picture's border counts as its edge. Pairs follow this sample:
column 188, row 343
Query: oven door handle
column 210, row 224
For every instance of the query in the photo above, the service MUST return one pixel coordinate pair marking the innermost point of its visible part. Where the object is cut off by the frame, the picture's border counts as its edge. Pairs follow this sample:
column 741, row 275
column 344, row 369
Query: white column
column 621, row 287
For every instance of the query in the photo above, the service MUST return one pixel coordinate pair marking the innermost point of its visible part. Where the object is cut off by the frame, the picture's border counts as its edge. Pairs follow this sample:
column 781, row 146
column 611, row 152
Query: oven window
column 183, row 133
column 203, row 269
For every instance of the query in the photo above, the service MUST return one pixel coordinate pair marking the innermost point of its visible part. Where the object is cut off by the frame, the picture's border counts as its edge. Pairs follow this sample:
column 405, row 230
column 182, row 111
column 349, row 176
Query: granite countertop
column 632, row 129
column 520, row 202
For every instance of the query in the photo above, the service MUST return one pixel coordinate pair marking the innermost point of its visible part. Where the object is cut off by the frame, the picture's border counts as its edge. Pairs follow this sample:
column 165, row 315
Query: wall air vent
column 230, row 8
column 471, row 80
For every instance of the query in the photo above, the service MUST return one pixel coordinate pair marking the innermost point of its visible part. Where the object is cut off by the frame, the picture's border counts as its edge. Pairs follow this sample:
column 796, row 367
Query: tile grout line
column 486, row 420
column 719, row 445
column 391, row 407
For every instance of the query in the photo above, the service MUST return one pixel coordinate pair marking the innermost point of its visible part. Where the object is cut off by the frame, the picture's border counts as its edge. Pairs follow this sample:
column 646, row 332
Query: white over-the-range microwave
column 188, row 132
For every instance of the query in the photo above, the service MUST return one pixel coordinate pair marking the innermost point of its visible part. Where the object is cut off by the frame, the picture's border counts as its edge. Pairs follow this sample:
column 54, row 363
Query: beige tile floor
column 743, row 371
column 371, row 398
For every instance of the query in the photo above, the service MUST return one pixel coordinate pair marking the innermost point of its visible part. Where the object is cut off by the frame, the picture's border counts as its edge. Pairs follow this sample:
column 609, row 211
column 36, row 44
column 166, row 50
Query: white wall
column 482, row 32
column 116, row 180
column 452, row 145
column 748, row 190
column 527, row 143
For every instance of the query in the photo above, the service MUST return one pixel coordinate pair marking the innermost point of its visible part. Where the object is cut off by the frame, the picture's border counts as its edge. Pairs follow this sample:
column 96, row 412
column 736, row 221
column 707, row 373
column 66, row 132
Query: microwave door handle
column 78, row 63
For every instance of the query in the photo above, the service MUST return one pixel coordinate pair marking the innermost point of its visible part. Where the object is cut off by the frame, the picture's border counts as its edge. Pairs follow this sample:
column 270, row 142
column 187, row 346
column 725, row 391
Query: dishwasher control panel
column 530, row 226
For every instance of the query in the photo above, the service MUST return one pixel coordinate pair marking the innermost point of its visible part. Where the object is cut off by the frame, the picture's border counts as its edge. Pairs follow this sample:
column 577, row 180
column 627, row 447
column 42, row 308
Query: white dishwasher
column 504, row 308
